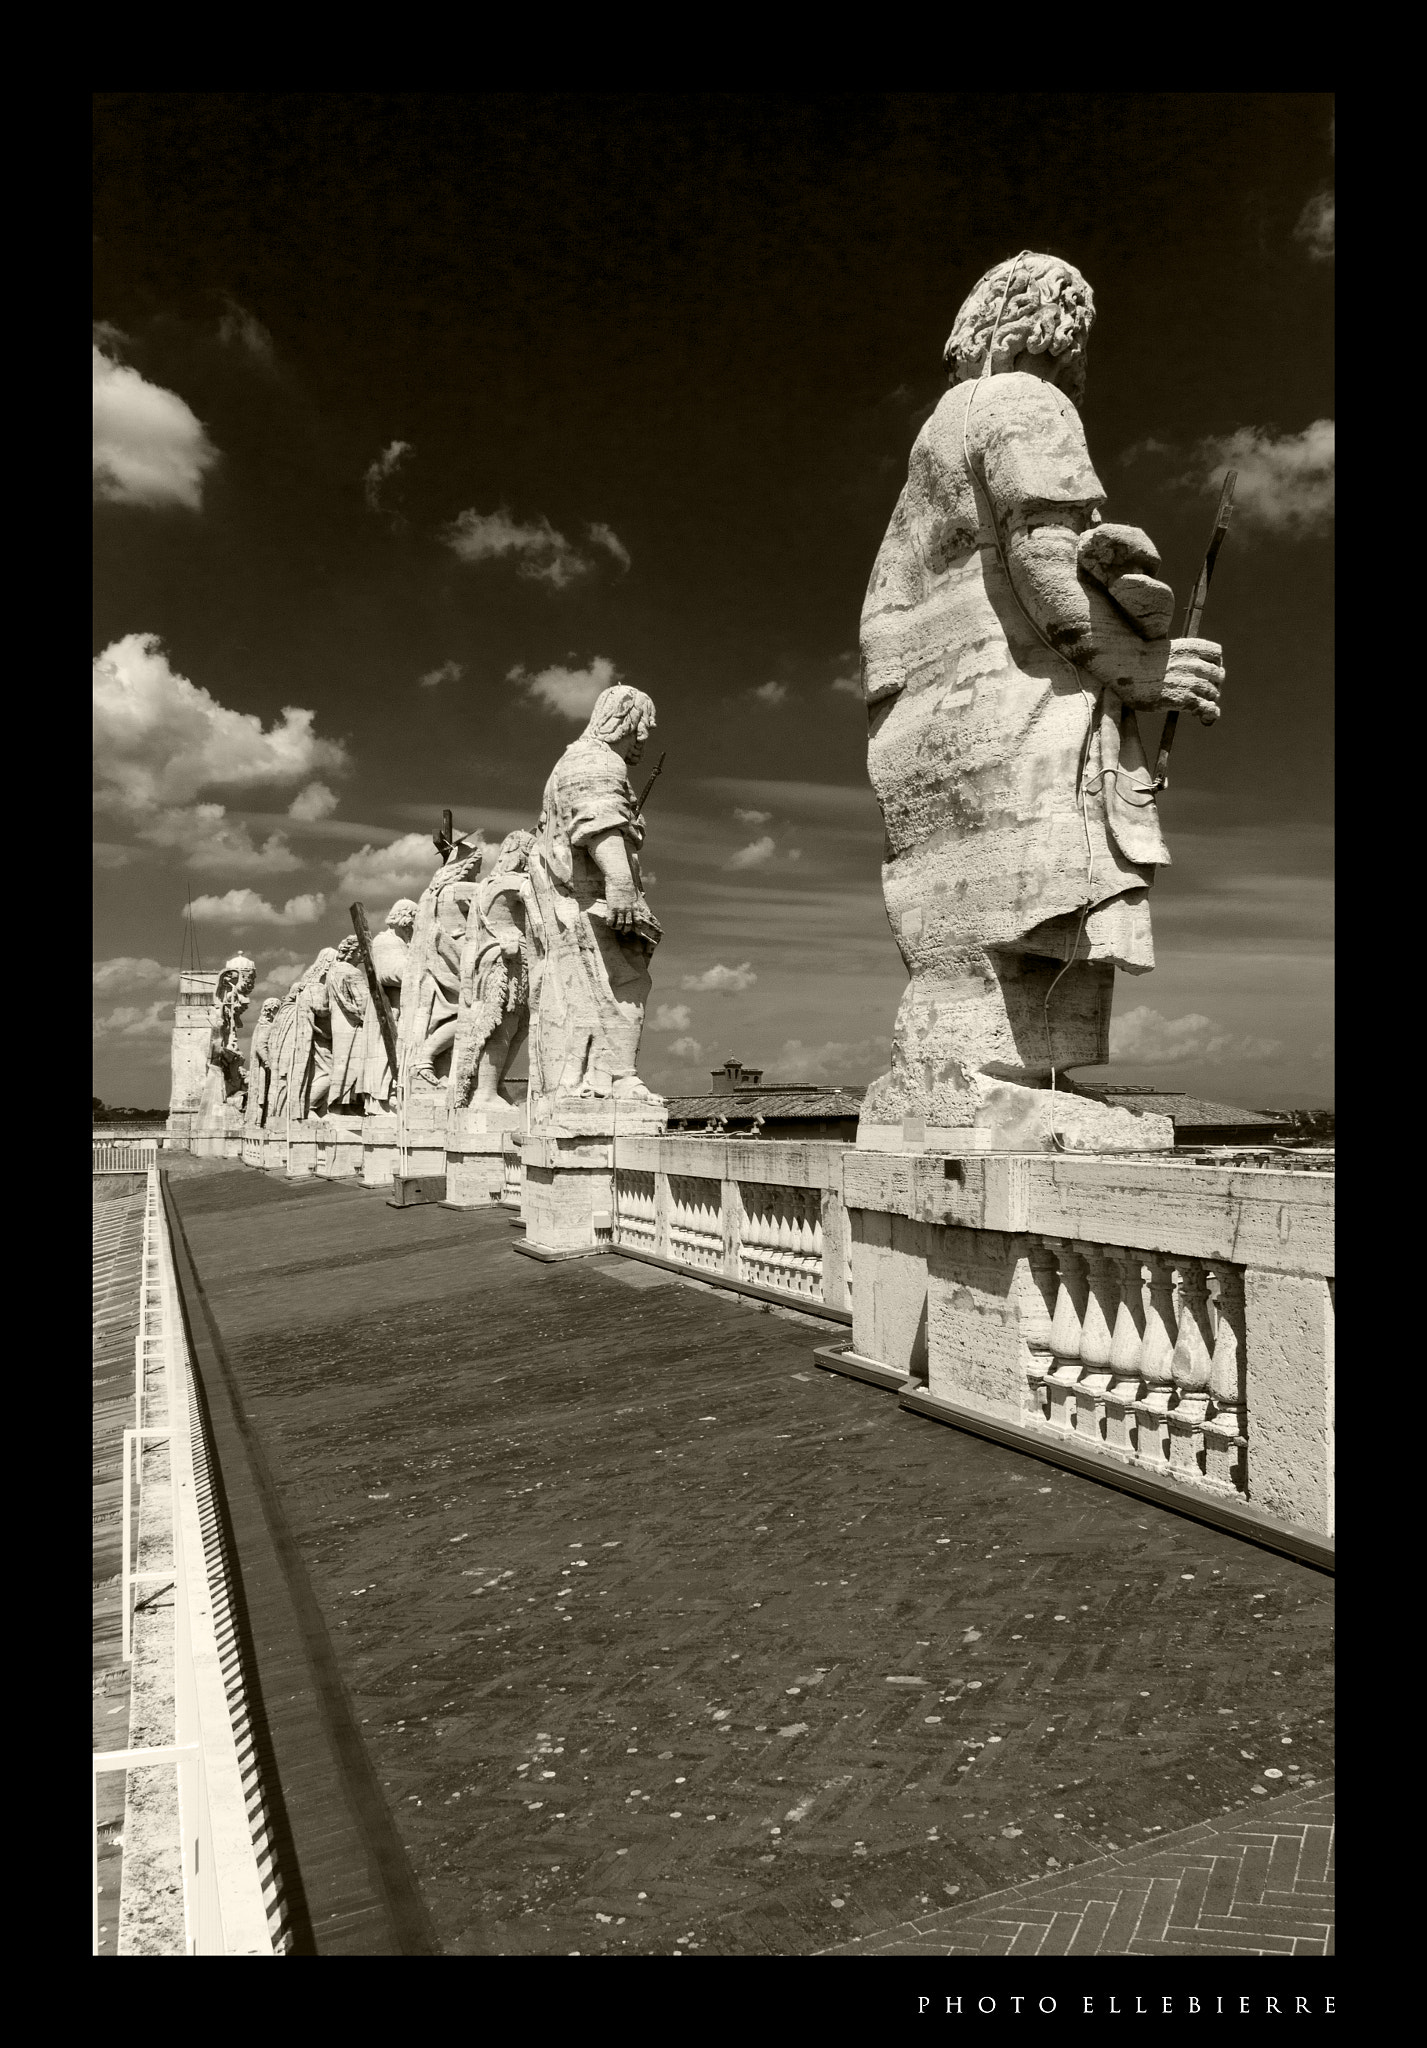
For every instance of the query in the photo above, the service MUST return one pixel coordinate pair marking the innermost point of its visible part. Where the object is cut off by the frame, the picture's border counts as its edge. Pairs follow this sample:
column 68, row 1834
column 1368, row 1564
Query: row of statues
column 1010, row 637
column 548, row 943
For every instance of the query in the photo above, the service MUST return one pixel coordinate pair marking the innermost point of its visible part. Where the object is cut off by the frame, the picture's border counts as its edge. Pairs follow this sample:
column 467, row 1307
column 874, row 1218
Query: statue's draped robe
column 259, row 1074
column 588, row 985
column 378, row 1083
column 347, row 1002
column 431, row 983
column 977, row 728
column 492, row 986
column 279, row 1055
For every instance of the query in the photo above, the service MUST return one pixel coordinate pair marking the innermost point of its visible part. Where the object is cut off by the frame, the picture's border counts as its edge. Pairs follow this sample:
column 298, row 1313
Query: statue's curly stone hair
column 514, row 843
column 403, row 911
column 1049, row 310
column 618, row 710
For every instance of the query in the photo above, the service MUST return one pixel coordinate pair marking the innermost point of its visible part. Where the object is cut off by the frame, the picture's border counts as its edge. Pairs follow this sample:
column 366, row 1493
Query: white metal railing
column 223, row 1903
column 125, row 1155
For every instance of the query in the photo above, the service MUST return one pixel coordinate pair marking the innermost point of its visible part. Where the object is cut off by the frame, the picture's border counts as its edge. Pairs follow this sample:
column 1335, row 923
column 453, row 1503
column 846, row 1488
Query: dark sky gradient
column 714, row 324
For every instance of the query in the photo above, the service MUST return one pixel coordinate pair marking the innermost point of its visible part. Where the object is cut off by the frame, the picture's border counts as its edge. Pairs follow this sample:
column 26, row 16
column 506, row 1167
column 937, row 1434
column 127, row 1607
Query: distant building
column 740, row 1106
column 1195, row 1122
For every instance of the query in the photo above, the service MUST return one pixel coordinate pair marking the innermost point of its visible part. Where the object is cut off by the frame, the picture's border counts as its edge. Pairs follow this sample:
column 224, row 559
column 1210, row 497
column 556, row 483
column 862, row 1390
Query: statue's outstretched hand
column 1192, row 680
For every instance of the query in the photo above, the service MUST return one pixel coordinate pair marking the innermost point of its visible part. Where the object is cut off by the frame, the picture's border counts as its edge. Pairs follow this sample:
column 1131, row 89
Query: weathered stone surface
column 1008, row 639
column 1289, row 1359
column 592, row 929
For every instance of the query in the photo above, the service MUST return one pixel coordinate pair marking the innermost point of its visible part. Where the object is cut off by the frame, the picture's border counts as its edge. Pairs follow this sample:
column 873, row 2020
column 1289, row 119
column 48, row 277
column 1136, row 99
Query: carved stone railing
column 1139, row 1353
column 780, row 1239
column 762, row 1216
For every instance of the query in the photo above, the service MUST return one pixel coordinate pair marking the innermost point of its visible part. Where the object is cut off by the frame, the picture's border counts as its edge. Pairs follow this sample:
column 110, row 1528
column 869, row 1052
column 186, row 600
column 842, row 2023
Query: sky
column 419, row 417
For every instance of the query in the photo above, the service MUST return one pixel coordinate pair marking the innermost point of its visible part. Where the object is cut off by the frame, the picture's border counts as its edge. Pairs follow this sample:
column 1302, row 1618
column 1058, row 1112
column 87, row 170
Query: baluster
column 1126, row 1344
column 1156, row 1360
column 785, row 1243
column 1088, row 1415
column 1190, row 1366
column 1226, row 1433
column 1065, row 1331
column 1035, row 1301
column 819, row 1262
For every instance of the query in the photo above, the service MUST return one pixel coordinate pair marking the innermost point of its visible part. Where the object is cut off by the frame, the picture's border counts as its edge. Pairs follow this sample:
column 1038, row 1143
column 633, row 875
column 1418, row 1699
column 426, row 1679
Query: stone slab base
column 833, row 1359
column 552, row 1258
column 1002, row 1116
column 411, row 1190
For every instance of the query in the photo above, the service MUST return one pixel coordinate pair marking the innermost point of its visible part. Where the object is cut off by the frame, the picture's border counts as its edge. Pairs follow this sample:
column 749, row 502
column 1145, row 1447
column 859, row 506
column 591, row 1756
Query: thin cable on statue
column 1094, row 697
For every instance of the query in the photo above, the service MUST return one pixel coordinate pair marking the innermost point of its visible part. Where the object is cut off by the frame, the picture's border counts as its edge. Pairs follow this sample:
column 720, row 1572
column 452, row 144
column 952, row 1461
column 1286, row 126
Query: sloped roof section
column 744, row 1104
column 1187, row 1110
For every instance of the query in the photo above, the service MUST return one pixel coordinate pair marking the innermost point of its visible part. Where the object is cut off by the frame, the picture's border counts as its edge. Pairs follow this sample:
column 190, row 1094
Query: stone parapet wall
column 1165, row 1316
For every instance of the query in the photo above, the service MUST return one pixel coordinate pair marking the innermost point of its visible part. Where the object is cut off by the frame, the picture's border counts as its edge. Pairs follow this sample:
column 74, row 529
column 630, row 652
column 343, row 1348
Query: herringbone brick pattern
column 662, row 1640
column 1261, row 1885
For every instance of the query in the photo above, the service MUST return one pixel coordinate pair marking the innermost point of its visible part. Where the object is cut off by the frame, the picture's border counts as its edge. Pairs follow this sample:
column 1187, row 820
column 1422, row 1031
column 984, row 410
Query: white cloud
column 569, row 692
column 154, row 1023
column 449, row 672
column 753, row 817
column 670, row 1017
column 538, row 550
column 1285, row 480
column 849, row 684
column 149, row 447
column 1315, row 227
column 721, row 981
column 770, row 694
column 754, row 855
column 1145, row 1038
column 125, row 972
column 278, row 979
column 377, row 875
column 241, row 329
column 686, row 1049
column 245, row 906
column 1148, row 446
column 386, row 465
column 605, row 537
column 834, row 1060
column 160, row 739
column 212, row 842
column 312, row 804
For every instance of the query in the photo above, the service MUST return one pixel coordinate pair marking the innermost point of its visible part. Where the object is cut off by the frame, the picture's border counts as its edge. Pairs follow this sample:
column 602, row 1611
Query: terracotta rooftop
column 745, row 1103
column 1186, row 1110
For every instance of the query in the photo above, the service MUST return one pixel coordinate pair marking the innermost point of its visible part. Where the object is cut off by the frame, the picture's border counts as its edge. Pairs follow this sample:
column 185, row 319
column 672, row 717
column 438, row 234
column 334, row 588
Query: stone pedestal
column 343, row 1147
column 379, row 1147
column 475, row 1153
column 424, row 1129
column 570, row 1156
column 303, row 1148
column 1004, row 1116
column 217, row 1124
column 274, row 1159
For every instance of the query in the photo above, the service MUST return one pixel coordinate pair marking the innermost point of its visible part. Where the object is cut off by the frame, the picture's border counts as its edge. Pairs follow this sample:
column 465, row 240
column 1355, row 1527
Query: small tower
column 733, row 1075
column 192, row 1030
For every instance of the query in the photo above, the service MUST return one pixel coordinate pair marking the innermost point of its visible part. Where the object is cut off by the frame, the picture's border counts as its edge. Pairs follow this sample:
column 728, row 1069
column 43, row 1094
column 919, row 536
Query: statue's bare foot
column 629, row 1088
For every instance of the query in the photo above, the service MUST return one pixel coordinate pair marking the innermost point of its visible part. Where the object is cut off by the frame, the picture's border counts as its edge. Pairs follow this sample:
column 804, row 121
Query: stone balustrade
column 1167, row 1316
column 762, row 1214
column 1140, row 1353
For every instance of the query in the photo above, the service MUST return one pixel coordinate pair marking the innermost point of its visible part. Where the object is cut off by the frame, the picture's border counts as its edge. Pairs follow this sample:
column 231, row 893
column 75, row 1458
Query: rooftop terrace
column 584, row 1612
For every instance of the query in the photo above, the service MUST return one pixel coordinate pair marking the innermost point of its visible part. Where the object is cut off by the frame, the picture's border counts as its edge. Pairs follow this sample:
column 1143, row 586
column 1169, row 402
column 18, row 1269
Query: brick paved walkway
column 1257, row 1884
column 626, row 1598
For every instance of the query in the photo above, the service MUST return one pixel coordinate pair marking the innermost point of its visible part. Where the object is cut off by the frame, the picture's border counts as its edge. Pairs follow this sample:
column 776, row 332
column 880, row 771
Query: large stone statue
column 346, row 1008
column 495, row 981
column 218, row 1128
column 225, row 1019
column 1009, row 637
column 389, row 951
column 431, row 986
column 300, row 1051
column 259, row 1072
column 594, row 932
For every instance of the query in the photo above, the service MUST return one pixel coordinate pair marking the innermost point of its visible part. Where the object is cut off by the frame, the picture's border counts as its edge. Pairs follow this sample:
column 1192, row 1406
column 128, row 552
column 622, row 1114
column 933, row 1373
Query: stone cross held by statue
column 378, row 993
